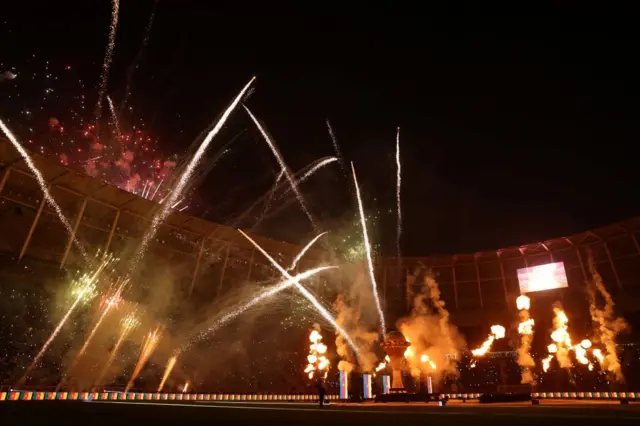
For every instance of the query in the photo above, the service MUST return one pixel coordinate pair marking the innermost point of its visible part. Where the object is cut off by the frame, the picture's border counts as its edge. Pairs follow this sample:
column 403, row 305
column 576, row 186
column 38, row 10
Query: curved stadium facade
column 479, row 288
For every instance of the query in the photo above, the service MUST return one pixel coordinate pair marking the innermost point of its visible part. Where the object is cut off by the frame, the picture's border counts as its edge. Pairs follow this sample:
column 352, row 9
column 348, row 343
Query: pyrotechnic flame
column 43, row 187
column 185, row 387
column 367, row 247
column 598, row 354
column 608, row 324
column 184, row 179
column 167, row 371
column 552, row 348
column 586, row 343
column 560, row 335
column 321, row 309
column 317, row 361
column 523, row 303
column 381, row 366
column 525, row 329
column 497, row 332
column 546, row 362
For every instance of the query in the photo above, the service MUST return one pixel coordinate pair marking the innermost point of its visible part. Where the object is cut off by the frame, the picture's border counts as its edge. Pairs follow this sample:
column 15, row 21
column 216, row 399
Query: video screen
column 542, row 277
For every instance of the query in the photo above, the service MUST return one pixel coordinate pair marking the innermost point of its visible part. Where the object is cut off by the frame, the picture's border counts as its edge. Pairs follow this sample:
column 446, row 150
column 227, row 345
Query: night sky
column 513, row 130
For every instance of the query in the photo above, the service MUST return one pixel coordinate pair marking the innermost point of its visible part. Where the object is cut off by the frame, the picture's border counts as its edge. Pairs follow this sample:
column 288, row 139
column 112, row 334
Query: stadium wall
column 479, row 288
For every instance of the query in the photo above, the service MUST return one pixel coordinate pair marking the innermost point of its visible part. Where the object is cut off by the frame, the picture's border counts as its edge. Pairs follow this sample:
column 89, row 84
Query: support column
column 75, row 231
column 504, row 280
column 253, row 252
column 584, row 271
column 107, row 246
column 613, row 266
column 195, row 271
column 475, row 263
column 455, row 285
column 5, row 177
column 224, row 268
column 27, row 240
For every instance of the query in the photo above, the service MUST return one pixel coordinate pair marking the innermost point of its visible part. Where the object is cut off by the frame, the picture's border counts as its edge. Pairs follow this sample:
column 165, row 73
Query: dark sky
column 513, row 129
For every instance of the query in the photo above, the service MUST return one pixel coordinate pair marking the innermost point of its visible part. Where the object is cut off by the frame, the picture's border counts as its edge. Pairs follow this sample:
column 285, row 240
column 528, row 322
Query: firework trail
column 167, row 371
column 321, row 309
column 260, row 297
column 111, row 302
column 128, row 324
column 336, row 147
column 136, row 60
column 108, row 56
column 319, row 164
column 398, row 203
column 87, row 285
column 287, row 174
column 43, row 187
column 367, row 247
column 149, row 345
column 272, row 191
column 304, row 250
column 184, row 178
column 115, row 123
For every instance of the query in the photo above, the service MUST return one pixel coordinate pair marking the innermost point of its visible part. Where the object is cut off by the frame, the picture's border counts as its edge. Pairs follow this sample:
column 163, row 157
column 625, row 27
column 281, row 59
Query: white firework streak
column 184, row 178
column 43, row 187
column 398, row 186
column 108, row 56
column 336, row 147
column 304, row 250
column 321, row 309
column 276, row 153
column 321, row 163
column 367, row 247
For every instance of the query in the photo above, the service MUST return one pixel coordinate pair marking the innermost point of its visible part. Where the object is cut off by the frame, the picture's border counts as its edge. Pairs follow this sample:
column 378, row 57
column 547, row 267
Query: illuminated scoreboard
column 542, row 277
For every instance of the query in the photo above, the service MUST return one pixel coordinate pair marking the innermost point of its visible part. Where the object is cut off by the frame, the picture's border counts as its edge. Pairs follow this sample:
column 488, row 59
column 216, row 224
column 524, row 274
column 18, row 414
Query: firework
column 108, row 56
column 303, row 251
column 336, row 147
column 321, row 309
column 398, row 187
column 128, row 323
column 367, row 246
column 148, row 346
column 167, row 371
column 317, row 165
column 283, row 166
column 43, row 186
column 184, row 178
column 81, row 288
column 260, row 297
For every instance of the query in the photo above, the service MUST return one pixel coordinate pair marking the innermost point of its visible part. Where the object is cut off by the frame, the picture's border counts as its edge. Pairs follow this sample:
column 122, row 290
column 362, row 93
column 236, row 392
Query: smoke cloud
column 607, row 324
column 435, row 342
